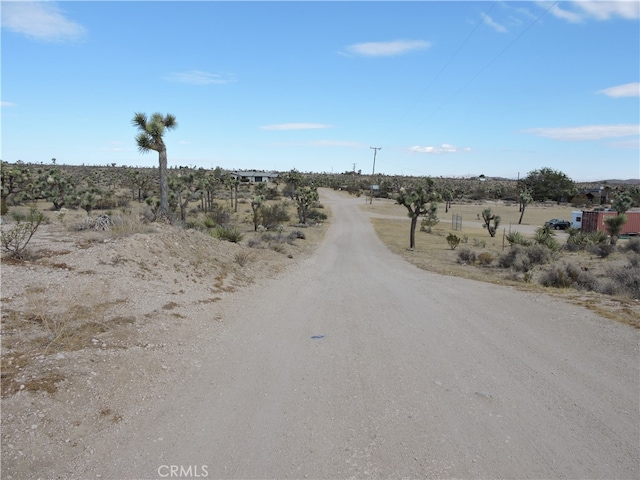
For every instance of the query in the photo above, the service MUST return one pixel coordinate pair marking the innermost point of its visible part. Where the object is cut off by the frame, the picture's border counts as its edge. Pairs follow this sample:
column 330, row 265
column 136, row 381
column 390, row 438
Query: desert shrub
column 539, row 254
column 517, row 259
column 254, row 243
column 316, row 215
column 230, row 234
column 603, row 250
column 272, row 215
column 479, row 243
column 241, row 258
column 297, row 234
column 467, row 256
column 587, row 281
column 633, row 245
column 453, row 241
column 209, row 222
column 516, row 238
column 561, row 276
column 485, row 258
column 15, row 240
column 624, row 280
column 278, row 247
column 545, row 236
column 220, row 214
column 583, row 241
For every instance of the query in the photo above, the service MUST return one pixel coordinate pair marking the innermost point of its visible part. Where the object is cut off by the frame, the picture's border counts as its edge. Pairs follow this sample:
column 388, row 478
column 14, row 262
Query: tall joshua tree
column 150, row 138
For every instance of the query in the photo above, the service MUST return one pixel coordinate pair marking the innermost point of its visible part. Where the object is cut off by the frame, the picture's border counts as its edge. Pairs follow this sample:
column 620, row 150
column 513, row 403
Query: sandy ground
column 349, row 364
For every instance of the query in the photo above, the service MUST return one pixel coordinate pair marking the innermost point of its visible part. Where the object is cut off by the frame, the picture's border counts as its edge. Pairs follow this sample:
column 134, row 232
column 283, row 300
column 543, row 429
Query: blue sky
column 444, row 88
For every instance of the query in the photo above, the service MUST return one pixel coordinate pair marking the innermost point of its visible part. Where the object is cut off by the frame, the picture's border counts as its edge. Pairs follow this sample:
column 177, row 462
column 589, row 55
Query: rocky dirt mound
column 94, row 324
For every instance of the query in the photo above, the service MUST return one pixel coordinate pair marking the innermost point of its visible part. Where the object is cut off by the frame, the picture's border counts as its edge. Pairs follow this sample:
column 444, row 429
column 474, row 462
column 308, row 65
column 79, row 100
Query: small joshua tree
column 488, row 216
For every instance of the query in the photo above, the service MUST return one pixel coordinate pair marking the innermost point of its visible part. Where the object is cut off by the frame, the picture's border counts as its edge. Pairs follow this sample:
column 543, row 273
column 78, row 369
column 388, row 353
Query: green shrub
column 316, row 215
column 453, row 241
column 516, row 238
column 230, row 234
column 272, row 215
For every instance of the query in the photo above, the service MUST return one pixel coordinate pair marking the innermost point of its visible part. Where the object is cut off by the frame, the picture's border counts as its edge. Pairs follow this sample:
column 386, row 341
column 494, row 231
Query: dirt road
column 357, row 364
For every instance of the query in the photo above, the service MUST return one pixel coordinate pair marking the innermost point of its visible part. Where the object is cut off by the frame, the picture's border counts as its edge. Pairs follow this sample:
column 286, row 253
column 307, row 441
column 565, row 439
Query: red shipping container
column 594, row 221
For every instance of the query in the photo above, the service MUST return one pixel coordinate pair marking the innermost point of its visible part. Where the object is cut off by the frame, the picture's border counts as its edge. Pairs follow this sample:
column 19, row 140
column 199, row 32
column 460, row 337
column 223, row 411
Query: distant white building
column 253, row 176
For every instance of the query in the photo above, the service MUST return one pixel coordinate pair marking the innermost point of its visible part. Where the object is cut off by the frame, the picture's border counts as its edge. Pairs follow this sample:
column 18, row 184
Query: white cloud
column 387, row 49
column 604, row 10
column 581, row 10
column 586, row 132
column 444, row 148
column 626, row 90
column 295, row 126
column 7, row 104
column 198, row 77
column 40, row 21
column 493, row 24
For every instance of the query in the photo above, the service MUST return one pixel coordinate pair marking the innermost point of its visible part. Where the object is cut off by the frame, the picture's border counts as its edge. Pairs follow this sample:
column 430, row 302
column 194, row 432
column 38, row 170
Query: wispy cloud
column 586, row 132
column 386, row 49
column 581, row 10
column 198, row 77
column 295, row 126
column 444, row 148
column 626, row 90
column 493, row 24
column 40, row 21
column 7, row 104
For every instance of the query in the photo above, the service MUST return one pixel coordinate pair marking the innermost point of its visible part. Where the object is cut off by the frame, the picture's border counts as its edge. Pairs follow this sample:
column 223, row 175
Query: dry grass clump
column 49, row 323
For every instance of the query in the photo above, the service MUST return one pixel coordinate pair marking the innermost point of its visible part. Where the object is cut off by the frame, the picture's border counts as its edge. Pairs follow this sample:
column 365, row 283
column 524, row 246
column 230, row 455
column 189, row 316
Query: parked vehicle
column 558, row 224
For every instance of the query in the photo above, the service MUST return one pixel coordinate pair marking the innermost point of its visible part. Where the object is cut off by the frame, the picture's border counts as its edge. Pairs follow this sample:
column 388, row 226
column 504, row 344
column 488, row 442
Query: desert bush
column 545, row 236
column 220, row 214
column 254, row 243
column 633, row 245
column 316, row 215
column 297, row 234
column 453, row 241
column 561, row 276
column 517, row 259
column 539, row 254
column 582, row 241
column 273, row 215
column 485, row 258
column 230, row 234
column 479, row 243
column 516, row 238
column 467, row 256
column 624, row 280
column 241, row 258
column 603, row 250
column 15, row 240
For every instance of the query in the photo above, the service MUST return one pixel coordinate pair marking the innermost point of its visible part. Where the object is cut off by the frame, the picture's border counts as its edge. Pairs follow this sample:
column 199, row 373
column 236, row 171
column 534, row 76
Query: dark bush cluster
column 523, row 259
column 466, row 256
column 272, row 215
column 568, row 275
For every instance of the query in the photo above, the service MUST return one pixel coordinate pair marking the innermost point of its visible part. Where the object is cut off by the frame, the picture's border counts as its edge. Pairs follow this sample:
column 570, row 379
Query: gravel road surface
column 355, row 364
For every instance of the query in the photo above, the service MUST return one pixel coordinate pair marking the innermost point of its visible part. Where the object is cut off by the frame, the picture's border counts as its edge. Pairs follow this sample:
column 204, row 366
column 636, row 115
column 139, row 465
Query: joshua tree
column 487, row 216
column 415, row 200
column 525, row 198
column 150, row 138
column 614, row 226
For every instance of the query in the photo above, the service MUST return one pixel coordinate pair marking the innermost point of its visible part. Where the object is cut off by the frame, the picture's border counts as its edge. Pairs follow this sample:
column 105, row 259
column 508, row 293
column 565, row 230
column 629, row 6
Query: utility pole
column 373, row 172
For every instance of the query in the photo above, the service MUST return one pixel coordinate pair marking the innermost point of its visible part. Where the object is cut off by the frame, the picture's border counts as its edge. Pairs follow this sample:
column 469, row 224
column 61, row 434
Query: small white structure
column 253, row 176
column 576, row 219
